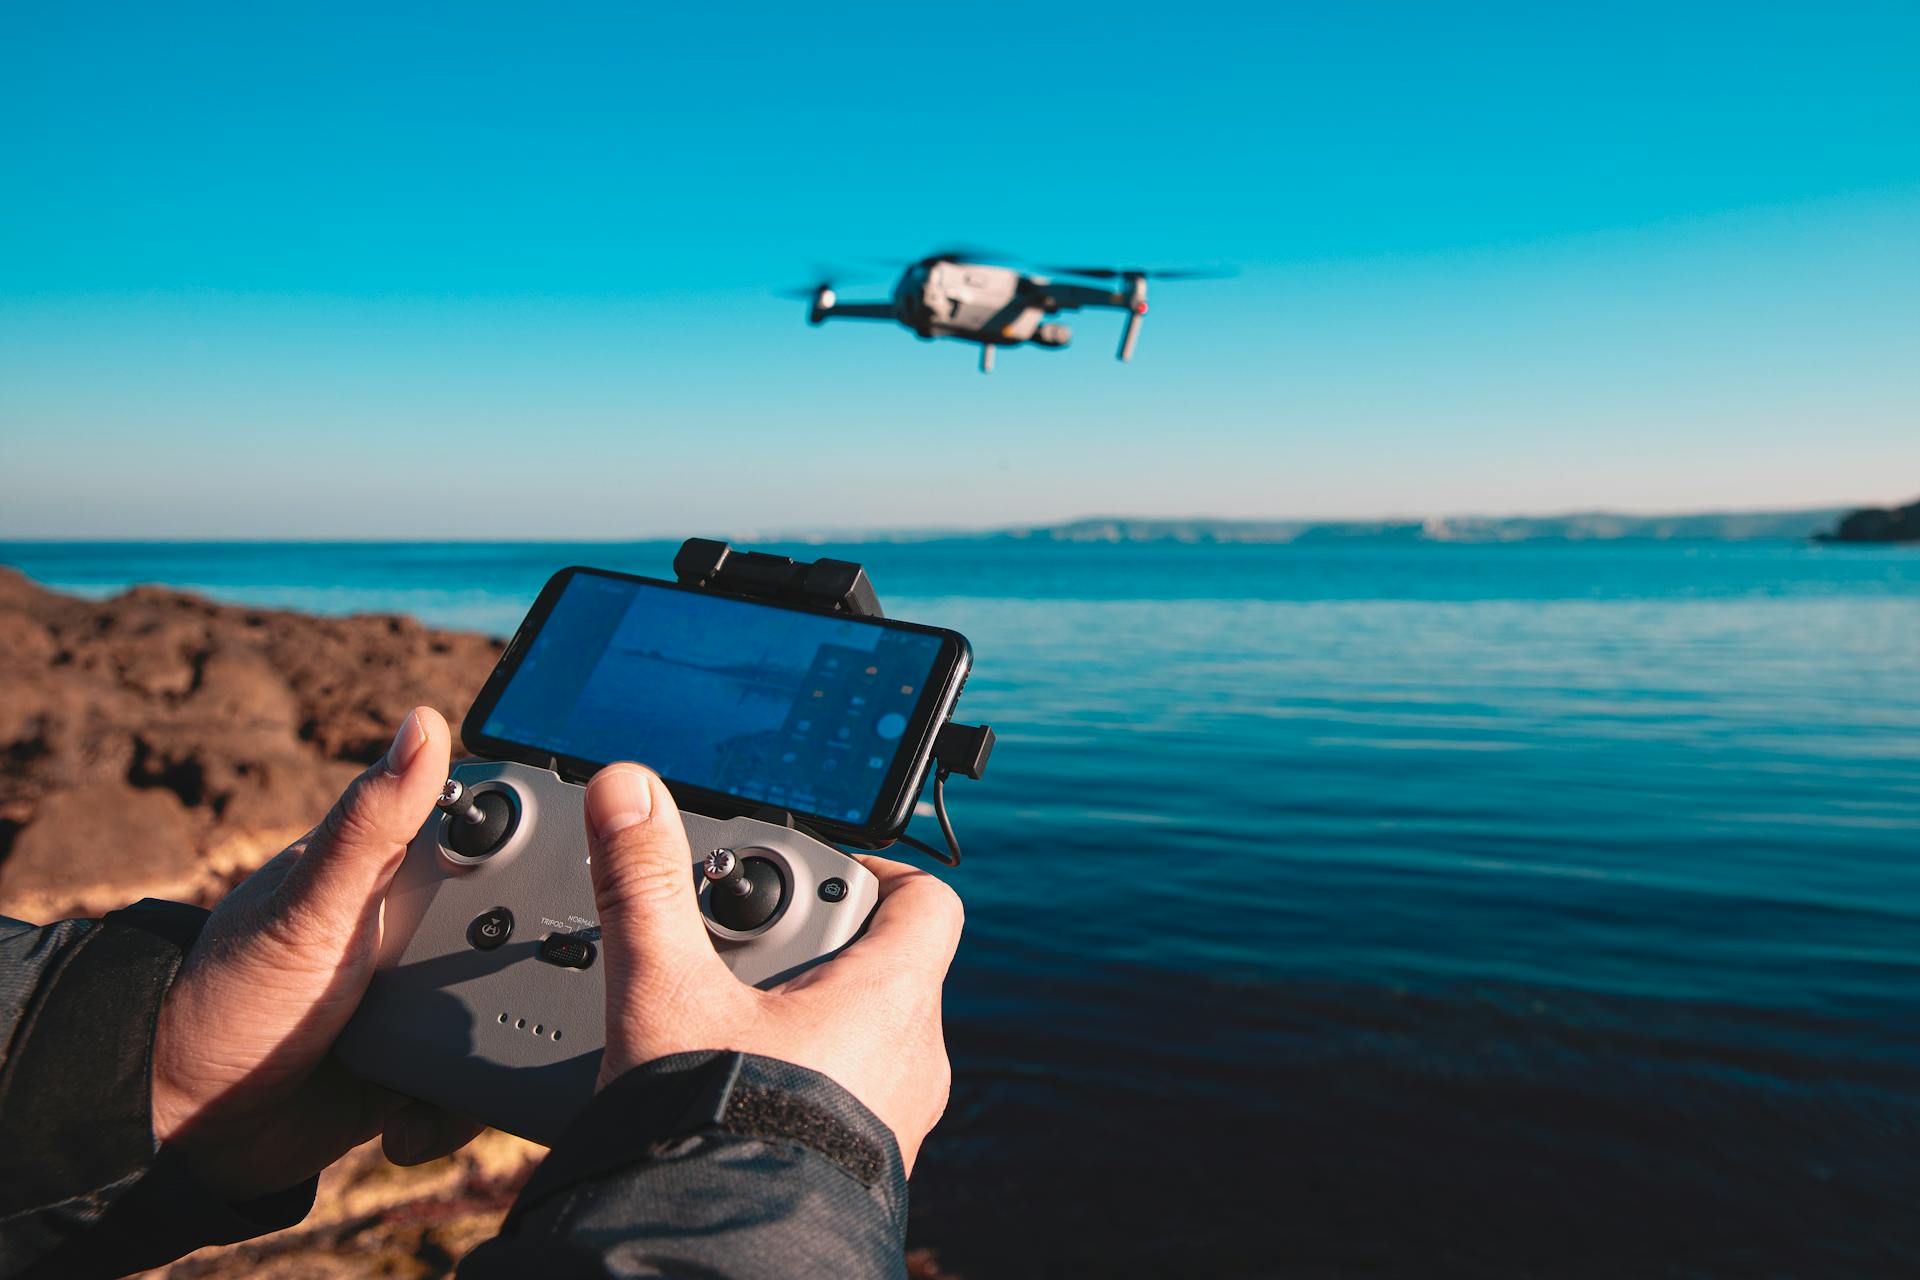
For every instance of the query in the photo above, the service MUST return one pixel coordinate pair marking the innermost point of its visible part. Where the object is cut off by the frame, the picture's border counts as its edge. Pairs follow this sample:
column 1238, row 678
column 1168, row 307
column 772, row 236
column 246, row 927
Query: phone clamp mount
column 841, row 586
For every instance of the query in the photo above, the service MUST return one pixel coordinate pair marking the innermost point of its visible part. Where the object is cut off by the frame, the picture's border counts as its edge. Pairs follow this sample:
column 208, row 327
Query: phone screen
column 819, row 714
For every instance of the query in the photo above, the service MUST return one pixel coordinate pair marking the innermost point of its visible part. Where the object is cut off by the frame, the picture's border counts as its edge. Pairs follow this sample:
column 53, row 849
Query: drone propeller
column 951, row 253
column 819, row 293
column 969, row 253
column 829, row 276
column 1145, row 273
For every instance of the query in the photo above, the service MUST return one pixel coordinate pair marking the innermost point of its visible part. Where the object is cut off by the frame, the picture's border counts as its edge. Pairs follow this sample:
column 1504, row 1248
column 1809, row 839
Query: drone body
column 946, row 296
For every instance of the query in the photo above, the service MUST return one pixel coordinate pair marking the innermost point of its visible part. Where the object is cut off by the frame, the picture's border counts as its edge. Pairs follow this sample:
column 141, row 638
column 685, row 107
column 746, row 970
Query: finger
column 355, row 850
column 417, row 1133
column 916, row 926
column 643, row 880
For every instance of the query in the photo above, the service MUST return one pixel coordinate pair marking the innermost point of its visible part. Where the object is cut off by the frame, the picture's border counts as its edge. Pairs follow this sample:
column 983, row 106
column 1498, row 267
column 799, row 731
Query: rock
column 371, row 1218
column 1878, row 524
column 239, row 688
column 219, row 732
column 24, row 644
column 105, row 839
column 280, row 794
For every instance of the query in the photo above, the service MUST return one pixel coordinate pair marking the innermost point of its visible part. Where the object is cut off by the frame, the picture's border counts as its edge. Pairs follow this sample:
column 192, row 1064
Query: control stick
column 744, row 892
column 480, row 821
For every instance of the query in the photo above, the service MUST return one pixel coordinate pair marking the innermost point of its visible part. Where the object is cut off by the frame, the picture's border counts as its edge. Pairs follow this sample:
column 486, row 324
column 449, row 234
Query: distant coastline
column 1807, row 525
column 1586, row 526
column 1878, row 524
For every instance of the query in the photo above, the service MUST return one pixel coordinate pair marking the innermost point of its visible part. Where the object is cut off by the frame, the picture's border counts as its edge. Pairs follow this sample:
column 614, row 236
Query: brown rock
column 218, row 732
column 107, row 836
column 17, row 590
column 160, row 656
column 239, row 688
column 276, row 794
column 24, row 643
column 371, row 1218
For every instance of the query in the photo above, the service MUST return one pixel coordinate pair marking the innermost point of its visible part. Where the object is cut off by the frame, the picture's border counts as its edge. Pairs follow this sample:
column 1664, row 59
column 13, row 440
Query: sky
column 475, row 271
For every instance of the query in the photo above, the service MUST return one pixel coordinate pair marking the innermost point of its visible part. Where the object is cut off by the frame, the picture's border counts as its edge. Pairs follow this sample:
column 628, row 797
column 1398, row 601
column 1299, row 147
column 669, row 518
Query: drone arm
column 1072, row 297
column 859, row 311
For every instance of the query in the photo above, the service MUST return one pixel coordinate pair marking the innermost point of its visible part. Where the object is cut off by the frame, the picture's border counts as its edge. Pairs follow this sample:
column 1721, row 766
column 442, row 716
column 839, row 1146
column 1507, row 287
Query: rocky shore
column 158, row 744
column 1878, row 524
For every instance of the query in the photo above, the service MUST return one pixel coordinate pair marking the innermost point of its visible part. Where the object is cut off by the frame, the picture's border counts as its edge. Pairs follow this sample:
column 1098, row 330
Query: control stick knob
column 479, row 823
column 744, row 893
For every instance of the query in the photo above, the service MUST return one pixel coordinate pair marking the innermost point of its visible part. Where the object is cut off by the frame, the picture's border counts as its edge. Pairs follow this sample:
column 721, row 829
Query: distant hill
column 1878, row 524
column 1582, row 526
column 1593, row 526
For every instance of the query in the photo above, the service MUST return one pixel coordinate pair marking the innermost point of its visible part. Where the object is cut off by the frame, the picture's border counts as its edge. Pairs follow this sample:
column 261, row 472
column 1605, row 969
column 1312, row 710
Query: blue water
column 1383, row 910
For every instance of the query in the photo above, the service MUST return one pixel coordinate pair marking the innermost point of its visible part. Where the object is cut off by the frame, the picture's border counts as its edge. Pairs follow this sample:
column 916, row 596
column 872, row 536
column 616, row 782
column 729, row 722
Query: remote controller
column 488, row 999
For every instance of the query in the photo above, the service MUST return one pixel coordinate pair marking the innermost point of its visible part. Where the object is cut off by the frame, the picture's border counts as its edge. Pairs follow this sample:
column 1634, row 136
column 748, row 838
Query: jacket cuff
column 166, row 1214
column 82, row 1061
column 685, row 1095
column 76, row 1116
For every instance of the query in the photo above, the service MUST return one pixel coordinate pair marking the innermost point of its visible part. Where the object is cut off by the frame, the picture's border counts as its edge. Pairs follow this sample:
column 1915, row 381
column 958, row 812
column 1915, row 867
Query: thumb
column 358, row 846
column 654, row 936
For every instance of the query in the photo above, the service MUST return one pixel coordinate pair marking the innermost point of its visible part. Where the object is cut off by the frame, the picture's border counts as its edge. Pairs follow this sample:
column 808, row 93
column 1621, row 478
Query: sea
column 1379, row 909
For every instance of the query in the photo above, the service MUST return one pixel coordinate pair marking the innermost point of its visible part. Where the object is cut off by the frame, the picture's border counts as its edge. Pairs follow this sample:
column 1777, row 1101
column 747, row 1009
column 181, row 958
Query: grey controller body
column 503, row 1018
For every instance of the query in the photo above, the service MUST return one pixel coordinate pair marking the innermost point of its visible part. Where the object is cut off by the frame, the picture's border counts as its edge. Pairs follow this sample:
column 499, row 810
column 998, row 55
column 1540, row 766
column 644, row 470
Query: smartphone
column 738, row 705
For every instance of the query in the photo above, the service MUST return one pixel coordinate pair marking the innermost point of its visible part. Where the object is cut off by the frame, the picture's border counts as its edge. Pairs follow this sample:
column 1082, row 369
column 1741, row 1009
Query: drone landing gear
column 986, row 357
column 1136, row 307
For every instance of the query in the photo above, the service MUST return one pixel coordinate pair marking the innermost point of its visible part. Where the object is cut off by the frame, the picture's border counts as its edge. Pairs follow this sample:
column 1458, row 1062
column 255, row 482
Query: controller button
column 833, row 890
column 566, row 951
column 490, row 928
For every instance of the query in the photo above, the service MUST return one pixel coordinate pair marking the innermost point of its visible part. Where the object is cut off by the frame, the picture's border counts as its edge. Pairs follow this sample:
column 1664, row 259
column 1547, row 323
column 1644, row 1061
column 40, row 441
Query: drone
column 948, row 295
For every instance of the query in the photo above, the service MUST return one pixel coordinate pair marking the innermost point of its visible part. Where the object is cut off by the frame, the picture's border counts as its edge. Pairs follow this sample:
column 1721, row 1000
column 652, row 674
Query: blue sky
column 309, row 271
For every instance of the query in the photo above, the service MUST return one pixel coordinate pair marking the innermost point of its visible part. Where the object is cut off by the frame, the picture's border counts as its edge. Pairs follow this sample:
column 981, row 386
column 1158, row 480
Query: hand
column 869, row 1018
column 242, row 1081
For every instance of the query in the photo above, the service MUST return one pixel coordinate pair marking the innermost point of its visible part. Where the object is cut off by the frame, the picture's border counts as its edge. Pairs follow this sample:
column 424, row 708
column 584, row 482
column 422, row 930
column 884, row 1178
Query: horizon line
column 909, row 533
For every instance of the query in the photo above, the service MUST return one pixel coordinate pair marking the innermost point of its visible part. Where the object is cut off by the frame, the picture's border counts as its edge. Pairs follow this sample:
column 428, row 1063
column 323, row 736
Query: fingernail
column 406, row 743
column 618, row 798
column 415, row 1132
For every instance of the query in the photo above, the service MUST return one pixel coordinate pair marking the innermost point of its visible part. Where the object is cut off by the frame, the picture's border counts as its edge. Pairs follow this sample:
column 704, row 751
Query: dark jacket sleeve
column 84, row 1188
column 714, row 1164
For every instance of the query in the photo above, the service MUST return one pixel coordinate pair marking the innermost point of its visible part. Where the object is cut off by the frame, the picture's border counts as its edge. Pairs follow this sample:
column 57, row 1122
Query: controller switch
column 567, row 951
